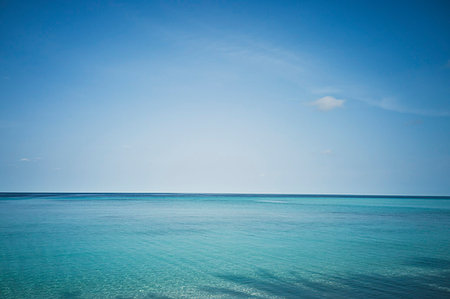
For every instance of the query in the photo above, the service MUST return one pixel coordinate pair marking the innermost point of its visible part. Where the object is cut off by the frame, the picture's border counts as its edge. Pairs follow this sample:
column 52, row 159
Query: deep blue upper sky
column 225, row 96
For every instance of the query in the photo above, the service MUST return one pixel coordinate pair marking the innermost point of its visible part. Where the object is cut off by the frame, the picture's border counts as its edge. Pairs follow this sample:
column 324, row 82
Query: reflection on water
column 350, row 285
column 223, row 246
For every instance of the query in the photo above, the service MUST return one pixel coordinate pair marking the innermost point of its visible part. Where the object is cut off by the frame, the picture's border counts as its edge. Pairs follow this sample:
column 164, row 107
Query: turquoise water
column 223, row 246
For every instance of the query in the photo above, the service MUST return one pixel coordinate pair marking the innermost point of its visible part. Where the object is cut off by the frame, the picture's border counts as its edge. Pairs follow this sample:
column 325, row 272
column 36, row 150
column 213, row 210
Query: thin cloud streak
column 391, row 104
column 327, row 103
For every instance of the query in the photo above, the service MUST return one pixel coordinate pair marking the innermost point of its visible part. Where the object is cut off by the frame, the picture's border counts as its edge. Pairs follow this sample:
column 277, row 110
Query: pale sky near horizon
column 225, row 96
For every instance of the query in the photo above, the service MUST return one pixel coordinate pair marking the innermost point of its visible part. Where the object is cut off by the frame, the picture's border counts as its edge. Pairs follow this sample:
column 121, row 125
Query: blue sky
column 225, row 96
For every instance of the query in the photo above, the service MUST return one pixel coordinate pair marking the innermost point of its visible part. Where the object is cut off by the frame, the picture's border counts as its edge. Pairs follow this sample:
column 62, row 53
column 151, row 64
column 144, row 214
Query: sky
column 324, row 97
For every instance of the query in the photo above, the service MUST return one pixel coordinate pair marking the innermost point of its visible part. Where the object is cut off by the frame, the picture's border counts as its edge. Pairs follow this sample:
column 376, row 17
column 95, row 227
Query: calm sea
column 223, row 246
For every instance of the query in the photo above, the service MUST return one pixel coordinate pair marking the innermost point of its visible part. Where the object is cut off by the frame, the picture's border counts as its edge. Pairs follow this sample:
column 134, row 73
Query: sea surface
column 223, row 246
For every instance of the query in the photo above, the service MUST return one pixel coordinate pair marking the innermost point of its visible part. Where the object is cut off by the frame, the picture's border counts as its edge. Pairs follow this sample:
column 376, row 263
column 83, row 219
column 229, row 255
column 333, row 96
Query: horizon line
column 236, row 194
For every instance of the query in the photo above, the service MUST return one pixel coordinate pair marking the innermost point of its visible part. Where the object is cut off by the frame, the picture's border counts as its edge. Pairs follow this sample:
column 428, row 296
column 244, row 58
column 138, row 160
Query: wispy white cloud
column 326, row 152
column 327, row 103
column 392, row 104
column 25, row 159
column 252, row 51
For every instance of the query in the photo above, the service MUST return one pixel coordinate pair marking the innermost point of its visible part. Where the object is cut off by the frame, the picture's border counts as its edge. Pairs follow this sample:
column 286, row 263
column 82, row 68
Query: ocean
column 223, row 246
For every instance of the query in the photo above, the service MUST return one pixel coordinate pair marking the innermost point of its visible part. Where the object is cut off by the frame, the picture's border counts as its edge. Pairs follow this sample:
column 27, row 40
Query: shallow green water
column 217, row 246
